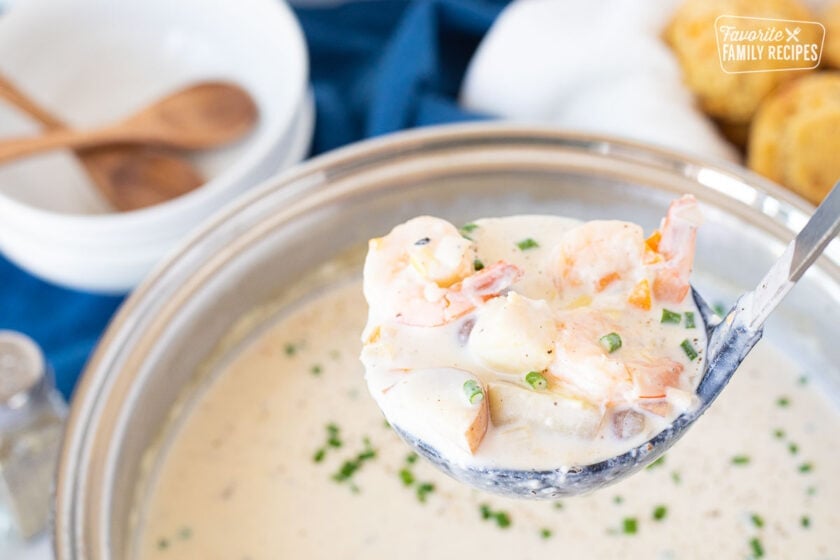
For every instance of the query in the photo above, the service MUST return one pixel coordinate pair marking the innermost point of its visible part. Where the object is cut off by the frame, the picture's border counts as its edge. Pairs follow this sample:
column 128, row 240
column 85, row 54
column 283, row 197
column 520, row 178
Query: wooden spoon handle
column 9, row 92
column 72, row 139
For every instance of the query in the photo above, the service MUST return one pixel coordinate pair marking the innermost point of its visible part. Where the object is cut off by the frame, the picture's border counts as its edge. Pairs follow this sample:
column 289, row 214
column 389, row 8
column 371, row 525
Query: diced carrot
column 652, row 242
column 640, row 296
column 607, row 280
column 652, row 379
column 669, row 286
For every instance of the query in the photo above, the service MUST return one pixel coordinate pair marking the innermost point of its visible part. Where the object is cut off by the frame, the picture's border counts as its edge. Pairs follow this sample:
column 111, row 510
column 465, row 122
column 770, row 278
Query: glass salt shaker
column 31, row 426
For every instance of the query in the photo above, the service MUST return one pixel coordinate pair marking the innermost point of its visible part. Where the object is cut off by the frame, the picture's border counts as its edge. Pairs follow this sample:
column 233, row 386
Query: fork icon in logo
column 792, row 34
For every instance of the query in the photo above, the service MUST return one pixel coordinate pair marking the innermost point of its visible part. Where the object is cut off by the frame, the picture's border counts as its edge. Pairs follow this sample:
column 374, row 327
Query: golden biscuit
column 831, row 49
column 795, row 136
column 691, row 35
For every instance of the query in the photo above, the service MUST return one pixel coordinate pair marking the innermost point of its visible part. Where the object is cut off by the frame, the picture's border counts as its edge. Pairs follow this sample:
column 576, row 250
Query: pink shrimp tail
column 481, row 286
column 679, row 233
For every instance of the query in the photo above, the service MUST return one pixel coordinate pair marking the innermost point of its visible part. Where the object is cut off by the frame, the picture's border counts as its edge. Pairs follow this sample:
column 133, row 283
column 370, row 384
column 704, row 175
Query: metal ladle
column 729, row 342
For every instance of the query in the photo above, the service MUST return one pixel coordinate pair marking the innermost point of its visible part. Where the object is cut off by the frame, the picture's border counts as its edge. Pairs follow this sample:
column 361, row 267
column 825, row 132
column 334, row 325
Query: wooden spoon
column 201, row 116
column 129, row 177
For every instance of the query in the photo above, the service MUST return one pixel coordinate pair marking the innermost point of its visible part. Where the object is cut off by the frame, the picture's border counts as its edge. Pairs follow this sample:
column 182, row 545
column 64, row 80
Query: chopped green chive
column 351, row 466
column 630, row 526
column 719, row 309
column 689, row 320
column 467, row 228
column 473, row 391
column 501, row 518
column 185, row 533
column 669, row 316
column 424, row 490
column 757, row 549
column 411, row 458
column 805, row 521
column 558, row 505
column 526, row 244
column 319, row 455
column 793, row 448
column 778, row 433
column 675, row 476
column 290, row 349
column 316, row 370
column 783, row 402
column 478, row 265
column 806, row 467
column 618, row 500
column 659, row 513
column 333, row 439
column 659, row 462
column 757, row 520
column 163, row 544
column 689, row 349
column 545, row 533
column 407, row 477
column 740, row 460
column 803, row 379
column 610, row 342
column 536, row 380
column 811, row 490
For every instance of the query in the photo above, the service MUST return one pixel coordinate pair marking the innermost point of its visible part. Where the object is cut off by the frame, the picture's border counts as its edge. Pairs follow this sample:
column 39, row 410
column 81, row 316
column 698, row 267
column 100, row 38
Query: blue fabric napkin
column 376, row 67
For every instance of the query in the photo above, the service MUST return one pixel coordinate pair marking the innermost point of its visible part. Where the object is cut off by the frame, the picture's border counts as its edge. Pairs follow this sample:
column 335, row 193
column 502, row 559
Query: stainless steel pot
column 259, row 249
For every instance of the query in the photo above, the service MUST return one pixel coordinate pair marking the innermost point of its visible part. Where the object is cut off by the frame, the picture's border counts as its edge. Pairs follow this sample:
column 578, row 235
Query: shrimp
column 423, row 274
column 613, row 255
column 676, row 245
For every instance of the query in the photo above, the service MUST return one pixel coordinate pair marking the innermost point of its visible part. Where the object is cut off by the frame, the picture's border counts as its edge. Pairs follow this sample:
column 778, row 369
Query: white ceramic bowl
column 93, row 61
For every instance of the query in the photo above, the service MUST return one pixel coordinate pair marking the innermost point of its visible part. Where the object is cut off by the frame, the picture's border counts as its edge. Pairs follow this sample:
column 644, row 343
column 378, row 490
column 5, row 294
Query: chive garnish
column 411, row 458
column 185, row 533
column 630, row 526
column 689, row 320
column 811, row 490
column 610, row 342
column 806, row 467
column 757, row 520
column 675, row 476
column 407, row 477
column 473, row 391
column 319, row 455
column 805, row 521
column 545, row 533
column 526, row 244
column 689, row 349
column 478, row 265
column 333, row 439
column 778, row 433
column 536, row 380
column 162, row 544
column 793, row 448
column 468, row 227
column 660, row 461
column 424, row 490
column 618, row 500
column 740, row 460
column 659, row 512
column 803, row 379
column 719, row 309
column 316, row 370
column 558, row 505
column 290, row 349
column 757, row 549
column 351, row 466
column 501, row 518
column 669, row 316
column 783, row 402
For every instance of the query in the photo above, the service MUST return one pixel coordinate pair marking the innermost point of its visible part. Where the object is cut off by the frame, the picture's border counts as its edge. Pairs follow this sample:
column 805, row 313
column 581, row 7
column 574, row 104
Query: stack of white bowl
column 94, row 61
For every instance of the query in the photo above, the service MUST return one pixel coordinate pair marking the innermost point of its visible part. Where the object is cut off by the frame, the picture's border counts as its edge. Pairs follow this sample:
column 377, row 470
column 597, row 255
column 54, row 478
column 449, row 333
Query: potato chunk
column 511, row 403
column 514, row 334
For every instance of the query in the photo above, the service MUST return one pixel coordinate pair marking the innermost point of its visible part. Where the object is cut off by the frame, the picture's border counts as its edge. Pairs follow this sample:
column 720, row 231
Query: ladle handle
column 820, row 230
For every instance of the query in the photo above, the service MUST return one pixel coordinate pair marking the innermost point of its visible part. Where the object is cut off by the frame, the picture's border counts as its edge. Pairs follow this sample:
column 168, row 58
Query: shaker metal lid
column 21, row 369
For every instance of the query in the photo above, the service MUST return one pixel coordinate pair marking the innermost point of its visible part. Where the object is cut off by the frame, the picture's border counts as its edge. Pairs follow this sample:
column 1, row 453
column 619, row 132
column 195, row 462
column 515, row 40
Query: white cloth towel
column 595, row 66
